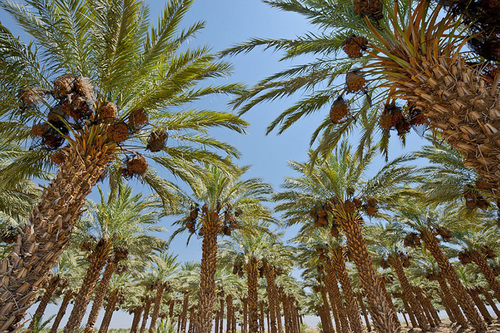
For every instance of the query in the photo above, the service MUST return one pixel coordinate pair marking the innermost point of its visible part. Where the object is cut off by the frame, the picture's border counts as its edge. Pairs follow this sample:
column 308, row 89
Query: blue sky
column 230, row 22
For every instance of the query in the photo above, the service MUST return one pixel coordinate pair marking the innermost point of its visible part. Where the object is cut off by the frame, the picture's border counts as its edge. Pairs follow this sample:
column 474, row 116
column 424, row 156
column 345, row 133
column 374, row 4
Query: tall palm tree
column 110, row 86
column 390, row 246
column 331, row 193
column 220, row 203
column 123, row 225
column 252, row 253
column 428, row 223
column 162, row 275
column 384, row 50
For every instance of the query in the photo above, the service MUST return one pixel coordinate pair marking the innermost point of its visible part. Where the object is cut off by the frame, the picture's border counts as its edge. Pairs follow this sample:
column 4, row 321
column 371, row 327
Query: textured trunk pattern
column 252, row 277
column 48, row 229
column 481, row 262
column 51, row 287
column 380, row 310
column 62, row 311
column 395, row 260
column 97, row 260
column 147, row 307
column 343, row 277
column 336, row 299
column 137, row 318
column 452, row 303
column 110, row 309
column 156, row 310
column 99, row 295
column 457, row 287
column 206, row 295
column 359, row 296
column 271, row 297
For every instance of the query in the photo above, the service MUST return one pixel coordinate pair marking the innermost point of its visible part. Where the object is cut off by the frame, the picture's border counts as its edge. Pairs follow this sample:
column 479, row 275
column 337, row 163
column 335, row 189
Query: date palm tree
column 385, row 51
column 220, row 203
column 335, row 195
column 112, row 87
column 429, row 224
column 126, row 223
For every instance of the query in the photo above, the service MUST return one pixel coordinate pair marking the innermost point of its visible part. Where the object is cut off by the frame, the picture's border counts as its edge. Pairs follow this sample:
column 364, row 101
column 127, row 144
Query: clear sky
column 230, row 22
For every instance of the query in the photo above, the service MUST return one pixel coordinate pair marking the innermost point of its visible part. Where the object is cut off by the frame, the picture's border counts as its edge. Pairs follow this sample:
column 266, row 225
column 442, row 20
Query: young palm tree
column 114, row 229
column 331, row 192
column 220, row 203
column 252, row 253
column 110, row 86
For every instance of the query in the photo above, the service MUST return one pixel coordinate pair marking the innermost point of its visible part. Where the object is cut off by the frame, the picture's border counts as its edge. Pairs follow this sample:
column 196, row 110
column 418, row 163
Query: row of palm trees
column 329, row 259
column 104, row 90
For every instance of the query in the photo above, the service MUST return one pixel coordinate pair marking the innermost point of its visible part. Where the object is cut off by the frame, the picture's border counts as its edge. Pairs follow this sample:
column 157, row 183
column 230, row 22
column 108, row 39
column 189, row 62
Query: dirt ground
column 494, row 327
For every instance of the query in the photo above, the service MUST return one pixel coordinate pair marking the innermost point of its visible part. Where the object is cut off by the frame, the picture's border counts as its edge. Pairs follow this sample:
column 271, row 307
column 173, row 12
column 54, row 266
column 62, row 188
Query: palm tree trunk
column 97, row 259
column 268, row 315
column 363, row 308
column 137, row 318
column 252, row 277
column 192, row 319
column 245, row 314
column 431, row 243
column 62, row 311
column 336, row 318
column 380, row 310
column 407, row 289
column 480, row 305
column 406, row 320
column 145, row 315
column 326, row 309
column 490, row 301
column 229, row 320
column 450, row 300
column 171, row 310
column 424, row 307
column 100, row 295
column 110, row 309
column 481, row 262
column 48, row 229
column 409, row 309
column 336, row 298
column 432, row 309
column 49, row 291
column 156, row 310
column 261, row 321
column 278, row 313
column 217, row 321
column 352, row 306
column 326, row 321
column 221, row 315
column 270, row 276
column 447, row 308
column 206, row 294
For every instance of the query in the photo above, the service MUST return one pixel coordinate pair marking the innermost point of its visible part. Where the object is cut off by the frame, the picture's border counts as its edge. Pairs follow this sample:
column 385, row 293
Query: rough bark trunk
column 490, row 301
column 137, row 318
column 97, row 259
column 271, row 296
column 145, row 315
column 481, row 262
column 261, row 321
column 326, row 309
column 409, row 310
column 160, row 290
column 424, row 307
column 407, row 289
column 431, row 243
column 382, row 315
column 278, row 313
column 325, row 320
column 336, row 299
column 62, row 311
column 406, row 320
column 192, row 319
column 363, row 308
column 450, row 300
column 100, row 294
column 49, row 291
column 48, row 229
column 229, row 320
column 110, row 309
column 221, row 315
column 252, row 277
column 245, row 314
column 206, row 294
column 447, row 308
column 352, row 306
column 480, row 305
column 171, row 310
